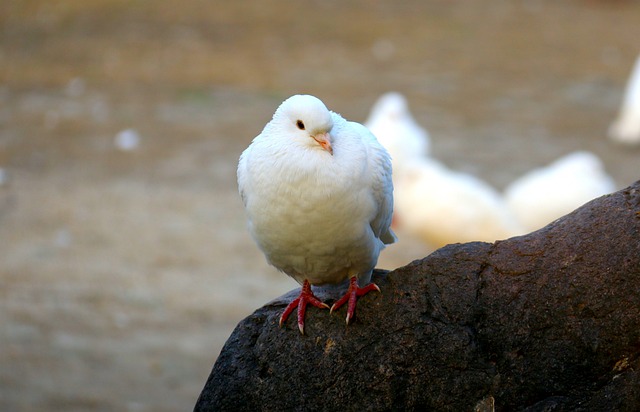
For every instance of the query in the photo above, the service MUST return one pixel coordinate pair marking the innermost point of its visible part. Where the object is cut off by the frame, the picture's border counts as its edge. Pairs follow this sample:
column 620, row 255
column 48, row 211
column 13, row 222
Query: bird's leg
column 352, row 295
column 306, row 296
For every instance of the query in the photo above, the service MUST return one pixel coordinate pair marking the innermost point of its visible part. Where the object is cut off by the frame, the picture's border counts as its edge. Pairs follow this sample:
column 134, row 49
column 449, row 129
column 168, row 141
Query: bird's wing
column 381, row 185
column 242, row 175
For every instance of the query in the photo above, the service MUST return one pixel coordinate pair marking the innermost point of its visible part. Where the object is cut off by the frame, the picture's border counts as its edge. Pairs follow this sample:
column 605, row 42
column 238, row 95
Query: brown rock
column 549, row 321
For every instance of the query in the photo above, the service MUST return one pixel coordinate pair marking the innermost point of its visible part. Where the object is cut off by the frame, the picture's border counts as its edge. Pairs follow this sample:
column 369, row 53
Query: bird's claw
column 352, row 295
column 306, row 297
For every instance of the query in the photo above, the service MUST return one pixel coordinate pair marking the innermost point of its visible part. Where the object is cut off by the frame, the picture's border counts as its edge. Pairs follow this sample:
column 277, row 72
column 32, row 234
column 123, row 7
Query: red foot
column 352, row 296
column 306, row 296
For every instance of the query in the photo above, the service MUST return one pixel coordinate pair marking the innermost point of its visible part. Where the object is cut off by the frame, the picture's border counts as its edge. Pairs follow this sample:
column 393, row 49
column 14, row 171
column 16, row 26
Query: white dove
column 543, row 195
column 442, row 206
column 626, row 127
column 391, row 122
column 318, row 196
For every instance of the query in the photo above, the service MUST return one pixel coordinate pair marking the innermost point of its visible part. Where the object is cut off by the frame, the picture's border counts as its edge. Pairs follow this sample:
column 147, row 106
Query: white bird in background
column 391, row 122
column 318, row 195
column 545, row 194
column 626, row 127
column 432, row 202
column 441, row 206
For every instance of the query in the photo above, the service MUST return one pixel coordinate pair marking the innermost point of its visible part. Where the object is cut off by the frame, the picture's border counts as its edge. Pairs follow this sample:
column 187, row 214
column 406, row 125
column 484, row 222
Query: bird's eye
column 300, row 124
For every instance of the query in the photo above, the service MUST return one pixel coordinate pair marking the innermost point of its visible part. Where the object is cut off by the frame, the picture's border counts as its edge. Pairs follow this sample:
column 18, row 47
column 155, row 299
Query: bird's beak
column 324, row 140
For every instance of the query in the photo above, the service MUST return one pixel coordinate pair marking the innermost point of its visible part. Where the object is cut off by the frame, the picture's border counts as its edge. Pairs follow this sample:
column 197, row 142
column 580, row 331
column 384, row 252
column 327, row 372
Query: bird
column 544, row 194
column 391, row 122
column 626, row 127
column 432, row 202
column 318, row 196
column 442, row 206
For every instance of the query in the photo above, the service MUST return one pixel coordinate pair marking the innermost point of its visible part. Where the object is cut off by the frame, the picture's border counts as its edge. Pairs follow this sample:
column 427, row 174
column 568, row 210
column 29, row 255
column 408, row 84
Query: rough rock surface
column 549, row 321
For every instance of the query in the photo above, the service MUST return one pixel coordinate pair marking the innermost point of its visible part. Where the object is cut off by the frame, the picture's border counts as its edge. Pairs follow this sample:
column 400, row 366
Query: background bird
column 442, row 206
column 626, row 127
column 393, row 125
column 545, row 194
column 432, row 202
column 318, row 195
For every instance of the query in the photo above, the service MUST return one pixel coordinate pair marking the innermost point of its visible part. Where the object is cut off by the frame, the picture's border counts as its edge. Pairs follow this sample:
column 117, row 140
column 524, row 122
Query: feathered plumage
column 318, row 194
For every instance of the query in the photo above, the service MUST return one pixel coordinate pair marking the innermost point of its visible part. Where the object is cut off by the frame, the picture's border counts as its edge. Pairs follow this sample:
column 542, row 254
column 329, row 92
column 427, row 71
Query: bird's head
column 390, row 106
column 306, row 119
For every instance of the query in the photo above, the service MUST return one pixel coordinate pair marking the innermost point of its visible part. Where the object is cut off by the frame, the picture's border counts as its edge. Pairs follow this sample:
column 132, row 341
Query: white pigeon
column 545, row 194
column 318, row 195
column 441, row 206
column 391, row 122
column 626, row 127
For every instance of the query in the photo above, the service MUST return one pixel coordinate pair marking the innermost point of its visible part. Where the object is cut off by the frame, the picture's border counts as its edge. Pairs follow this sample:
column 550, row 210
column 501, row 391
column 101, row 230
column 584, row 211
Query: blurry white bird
column 394, row 127
column 626, row 127
column 441, row 206
column 545, row 194
column 318, row 196
column 433, row 203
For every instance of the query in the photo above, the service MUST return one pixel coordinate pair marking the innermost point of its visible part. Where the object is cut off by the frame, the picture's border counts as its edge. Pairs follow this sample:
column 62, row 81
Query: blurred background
column 124, row 259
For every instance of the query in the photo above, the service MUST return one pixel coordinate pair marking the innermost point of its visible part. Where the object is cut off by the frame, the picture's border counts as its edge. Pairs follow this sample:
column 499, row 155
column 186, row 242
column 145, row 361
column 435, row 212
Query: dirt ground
column 122, row 273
